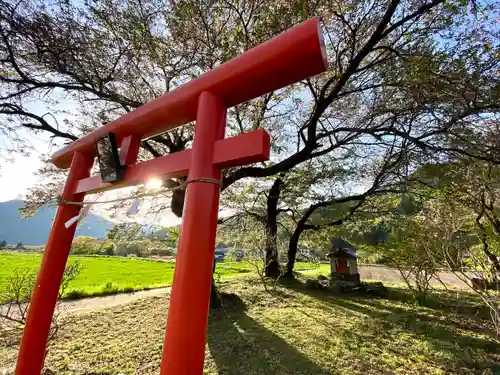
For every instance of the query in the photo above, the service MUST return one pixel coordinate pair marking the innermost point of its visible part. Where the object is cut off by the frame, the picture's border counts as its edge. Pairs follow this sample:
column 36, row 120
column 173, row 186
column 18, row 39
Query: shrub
column 166, row 252
column 143, row 248
column 108, row 248
column 91, row 246
column 18, row 291
column 75, row 294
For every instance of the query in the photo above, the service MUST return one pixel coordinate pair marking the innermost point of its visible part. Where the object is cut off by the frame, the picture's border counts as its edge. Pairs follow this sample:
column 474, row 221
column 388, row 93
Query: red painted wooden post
column 129, row 150
column 55, row 255
column 184, row 347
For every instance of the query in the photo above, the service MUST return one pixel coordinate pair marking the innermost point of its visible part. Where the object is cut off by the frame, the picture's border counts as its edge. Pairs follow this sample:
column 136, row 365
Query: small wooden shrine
column 343, row 262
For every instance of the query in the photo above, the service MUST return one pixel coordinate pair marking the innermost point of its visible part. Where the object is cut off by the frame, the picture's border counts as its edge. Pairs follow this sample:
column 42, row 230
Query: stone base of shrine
column 346, row 278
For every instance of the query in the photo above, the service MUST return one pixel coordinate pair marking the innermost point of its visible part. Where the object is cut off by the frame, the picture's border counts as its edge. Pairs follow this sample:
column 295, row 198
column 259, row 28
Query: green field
column 102, row 275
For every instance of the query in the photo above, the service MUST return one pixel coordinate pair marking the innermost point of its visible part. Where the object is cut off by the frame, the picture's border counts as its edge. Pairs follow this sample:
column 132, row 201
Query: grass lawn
column 306, row 266
column 102, row 275
column 320, row 269
column 293, row 331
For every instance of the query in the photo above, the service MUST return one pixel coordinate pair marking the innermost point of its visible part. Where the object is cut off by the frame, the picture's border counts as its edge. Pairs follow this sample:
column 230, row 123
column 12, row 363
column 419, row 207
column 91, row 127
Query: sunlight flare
column 154, row 184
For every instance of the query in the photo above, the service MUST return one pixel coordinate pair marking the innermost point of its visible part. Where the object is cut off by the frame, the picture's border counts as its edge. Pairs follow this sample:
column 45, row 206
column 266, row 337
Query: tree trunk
column 292, row 250
column 271, row 265
column 492, row 257
column 215, row 301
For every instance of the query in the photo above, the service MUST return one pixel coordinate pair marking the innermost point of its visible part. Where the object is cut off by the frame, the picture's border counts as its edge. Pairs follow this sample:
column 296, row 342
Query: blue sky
column 17, row 176
column 17, row 172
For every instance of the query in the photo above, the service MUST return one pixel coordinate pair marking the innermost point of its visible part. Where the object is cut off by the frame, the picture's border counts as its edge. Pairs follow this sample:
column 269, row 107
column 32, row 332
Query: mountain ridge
column 34, row 230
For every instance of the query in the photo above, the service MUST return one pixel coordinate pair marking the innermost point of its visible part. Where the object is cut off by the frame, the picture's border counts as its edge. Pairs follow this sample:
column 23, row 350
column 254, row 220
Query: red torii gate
column 290, row 57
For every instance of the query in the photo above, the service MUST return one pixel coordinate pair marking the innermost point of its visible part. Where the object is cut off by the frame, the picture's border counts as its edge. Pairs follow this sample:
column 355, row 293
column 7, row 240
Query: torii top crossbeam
column 292, row 56
column 287, row 58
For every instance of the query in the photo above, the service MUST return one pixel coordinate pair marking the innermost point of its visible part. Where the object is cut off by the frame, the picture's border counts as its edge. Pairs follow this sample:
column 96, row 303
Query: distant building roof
column 339, row 243
column 341, row 247
column 343, row 253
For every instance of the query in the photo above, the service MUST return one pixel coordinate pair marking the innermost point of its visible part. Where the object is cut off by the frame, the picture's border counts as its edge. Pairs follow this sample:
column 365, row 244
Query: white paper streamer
column 71, row 221
column 74, row 219
column 134, row 207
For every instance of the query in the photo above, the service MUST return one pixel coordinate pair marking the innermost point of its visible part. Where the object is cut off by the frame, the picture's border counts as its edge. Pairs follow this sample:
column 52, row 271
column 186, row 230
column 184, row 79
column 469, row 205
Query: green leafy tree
column 126, row 232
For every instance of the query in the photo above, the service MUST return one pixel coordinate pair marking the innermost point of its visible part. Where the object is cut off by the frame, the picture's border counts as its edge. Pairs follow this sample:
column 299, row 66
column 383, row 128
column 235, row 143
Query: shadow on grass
column 462, row 317
column 453, row 301
column 435, row 330
column 240, row 345
column 450, row 302
column 448, row 333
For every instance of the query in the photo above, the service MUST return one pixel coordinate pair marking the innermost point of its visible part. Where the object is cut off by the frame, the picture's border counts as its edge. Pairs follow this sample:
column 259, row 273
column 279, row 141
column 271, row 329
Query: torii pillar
column 290, row 57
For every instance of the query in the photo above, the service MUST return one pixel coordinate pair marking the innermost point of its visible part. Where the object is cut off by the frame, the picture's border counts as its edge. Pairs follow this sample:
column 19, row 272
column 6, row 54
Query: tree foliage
column 91, row 246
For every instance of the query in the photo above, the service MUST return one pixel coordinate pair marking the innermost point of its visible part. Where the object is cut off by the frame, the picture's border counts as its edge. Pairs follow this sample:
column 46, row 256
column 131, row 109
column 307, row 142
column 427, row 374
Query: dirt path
column 95, row 303
column 387, row 274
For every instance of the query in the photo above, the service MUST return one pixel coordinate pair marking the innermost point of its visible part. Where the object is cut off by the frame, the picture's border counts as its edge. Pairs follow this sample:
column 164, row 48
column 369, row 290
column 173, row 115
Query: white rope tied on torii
column 136, row 199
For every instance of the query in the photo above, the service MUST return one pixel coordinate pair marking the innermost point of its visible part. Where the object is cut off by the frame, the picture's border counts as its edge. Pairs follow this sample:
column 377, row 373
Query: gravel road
column 383, row 273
